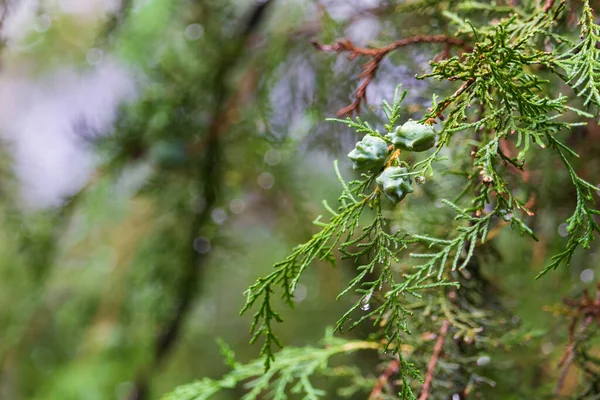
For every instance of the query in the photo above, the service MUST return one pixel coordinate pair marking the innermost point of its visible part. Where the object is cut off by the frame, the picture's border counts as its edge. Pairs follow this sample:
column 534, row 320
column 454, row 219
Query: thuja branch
column 287, row 273
column 369, row 69
column 293, row 370
column 441, row 107
column 582, row 225
column 497, row 73
column 582, row 62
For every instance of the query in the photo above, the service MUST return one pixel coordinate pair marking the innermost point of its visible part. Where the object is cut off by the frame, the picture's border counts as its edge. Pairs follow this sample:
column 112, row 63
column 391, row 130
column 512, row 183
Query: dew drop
column 562, row 230
column 218, row 215
column 272, row 157
column 587, row 275
column 202, row 245
column 300, row 293
column 194, row 32
column 547, row 347
column 365, row 306
column 237, row 206
column 266, row 180
column 483, row 360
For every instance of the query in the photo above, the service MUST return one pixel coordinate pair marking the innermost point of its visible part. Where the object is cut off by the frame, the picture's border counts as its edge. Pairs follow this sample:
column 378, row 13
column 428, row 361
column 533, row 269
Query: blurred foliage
column 217, row 167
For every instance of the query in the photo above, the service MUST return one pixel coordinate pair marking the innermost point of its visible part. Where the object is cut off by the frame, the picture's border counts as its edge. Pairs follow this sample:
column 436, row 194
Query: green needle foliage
column 290, row 373
column 581, row 226
column 288, row 272
column 445, row 210
column 582, row 62
column 501, row 117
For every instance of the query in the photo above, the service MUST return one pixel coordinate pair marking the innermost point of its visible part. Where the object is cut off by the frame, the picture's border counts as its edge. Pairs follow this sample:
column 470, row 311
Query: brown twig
column 589, row 308
column 548, row 5
column 369, row 69
column 506, row 149
column 444, row 54
column 391, row 369
column 569, row 354
column 439, row 344
column 437, row 112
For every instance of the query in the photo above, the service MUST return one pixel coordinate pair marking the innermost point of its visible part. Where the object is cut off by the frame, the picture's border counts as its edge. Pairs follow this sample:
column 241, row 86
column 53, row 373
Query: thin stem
column 569, row 356
column 442, row 107
column 391, row 369
column 439, row 344
column 548, row 5
column 369, row 69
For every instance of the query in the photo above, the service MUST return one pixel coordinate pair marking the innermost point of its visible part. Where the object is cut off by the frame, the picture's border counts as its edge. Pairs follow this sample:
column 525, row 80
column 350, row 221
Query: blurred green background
column 158, row 156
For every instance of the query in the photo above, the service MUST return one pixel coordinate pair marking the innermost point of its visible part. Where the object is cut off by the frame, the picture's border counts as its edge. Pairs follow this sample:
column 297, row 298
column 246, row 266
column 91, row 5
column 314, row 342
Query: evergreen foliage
column 290, row 373
column 120, row 291
column 499, row 71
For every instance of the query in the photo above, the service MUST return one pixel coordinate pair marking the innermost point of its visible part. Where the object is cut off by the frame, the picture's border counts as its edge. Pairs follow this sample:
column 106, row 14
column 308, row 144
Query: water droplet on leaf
column 365, row 306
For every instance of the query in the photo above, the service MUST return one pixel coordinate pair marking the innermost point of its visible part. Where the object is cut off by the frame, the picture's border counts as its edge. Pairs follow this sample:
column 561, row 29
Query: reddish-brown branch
column 348, row 46
column 444, row 54
column 369, row 69
column 569, row 355
column 437, row 350
column 548, row 5
column 506, row 149
column 440, row 108
column 589, row 309
column 391, row 369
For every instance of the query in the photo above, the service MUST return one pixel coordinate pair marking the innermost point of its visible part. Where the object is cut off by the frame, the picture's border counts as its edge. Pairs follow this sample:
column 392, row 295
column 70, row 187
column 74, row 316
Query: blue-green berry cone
column 369, row 153
column 413, row 136
column 395, row 183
